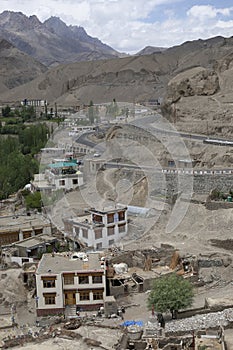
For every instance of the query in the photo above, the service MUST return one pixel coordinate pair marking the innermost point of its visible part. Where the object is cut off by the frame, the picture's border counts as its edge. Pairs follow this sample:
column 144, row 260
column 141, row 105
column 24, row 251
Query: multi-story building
column 98, row 229
column 62, row 282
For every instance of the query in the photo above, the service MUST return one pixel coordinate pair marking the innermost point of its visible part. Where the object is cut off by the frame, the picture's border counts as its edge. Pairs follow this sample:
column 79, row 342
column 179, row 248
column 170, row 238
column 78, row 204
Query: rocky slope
column 125, row 79
column 199, row 100
column 51, row 42
column 17, row 68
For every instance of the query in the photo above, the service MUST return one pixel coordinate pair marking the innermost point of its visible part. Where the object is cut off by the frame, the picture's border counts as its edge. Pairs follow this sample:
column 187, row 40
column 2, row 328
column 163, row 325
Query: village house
column 18, row 227
column 59, row 175
column 64, row 282
column 98, row 229
column 28, row 250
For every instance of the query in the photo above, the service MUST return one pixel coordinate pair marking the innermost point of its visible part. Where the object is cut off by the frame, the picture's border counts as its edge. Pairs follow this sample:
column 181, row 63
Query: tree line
column 17, row 162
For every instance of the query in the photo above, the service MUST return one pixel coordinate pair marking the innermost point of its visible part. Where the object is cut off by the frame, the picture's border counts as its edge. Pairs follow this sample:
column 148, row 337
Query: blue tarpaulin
column 132, row 323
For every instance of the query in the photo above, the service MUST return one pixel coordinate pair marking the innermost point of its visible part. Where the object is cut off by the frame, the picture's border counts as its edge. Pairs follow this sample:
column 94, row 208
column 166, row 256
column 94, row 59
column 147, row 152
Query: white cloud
column 225, row 24
column 203, row 12
column 127, row 25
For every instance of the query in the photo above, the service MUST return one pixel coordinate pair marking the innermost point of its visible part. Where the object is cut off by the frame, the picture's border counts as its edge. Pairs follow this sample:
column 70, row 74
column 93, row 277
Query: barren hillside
column 194, row 80
column 17, row 68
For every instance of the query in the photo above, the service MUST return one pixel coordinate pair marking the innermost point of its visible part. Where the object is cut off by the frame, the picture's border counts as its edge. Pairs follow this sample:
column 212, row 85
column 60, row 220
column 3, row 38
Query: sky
column 130, row 25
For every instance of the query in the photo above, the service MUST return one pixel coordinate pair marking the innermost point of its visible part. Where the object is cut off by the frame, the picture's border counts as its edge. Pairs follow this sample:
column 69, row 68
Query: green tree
column 170, row 293
column 33, row 201
column 6, row 111
column 28, row 113
column 91, row 115
column 16, row 169
column 115, row 107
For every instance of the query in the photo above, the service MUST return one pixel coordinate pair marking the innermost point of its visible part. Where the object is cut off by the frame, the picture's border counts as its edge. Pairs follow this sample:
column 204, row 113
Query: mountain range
column 195, row 77
column 52, row 42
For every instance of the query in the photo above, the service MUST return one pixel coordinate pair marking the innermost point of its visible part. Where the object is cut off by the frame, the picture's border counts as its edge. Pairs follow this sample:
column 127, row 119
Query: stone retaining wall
column 173, row 182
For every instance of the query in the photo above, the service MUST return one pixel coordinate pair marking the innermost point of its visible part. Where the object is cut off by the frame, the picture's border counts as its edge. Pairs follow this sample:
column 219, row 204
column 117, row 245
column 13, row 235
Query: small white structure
column 63, row 282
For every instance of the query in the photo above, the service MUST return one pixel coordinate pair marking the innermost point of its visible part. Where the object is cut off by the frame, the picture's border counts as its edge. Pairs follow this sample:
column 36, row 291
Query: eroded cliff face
column 199, row 100
column 196, row 81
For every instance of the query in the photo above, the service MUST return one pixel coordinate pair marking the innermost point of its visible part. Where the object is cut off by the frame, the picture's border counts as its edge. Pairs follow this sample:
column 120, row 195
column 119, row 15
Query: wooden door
column 70, row 298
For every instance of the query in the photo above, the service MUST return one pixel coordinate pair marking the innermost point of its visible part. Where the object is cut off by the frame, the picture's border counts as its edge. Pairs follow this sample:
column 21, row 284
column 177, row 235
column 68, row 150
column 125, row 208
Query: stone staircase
column 70, row 311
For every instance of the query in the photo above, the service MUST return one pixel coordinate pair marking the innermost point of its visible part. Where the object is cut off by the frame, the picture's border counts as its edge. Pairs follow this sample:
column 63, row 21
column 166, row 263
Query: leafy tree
column 91, row 112
column 115, row 108
column 33, row 201
column 33, row 138
column 28, row 113
column 112, row 110
column 170, row 293
column 6, row 111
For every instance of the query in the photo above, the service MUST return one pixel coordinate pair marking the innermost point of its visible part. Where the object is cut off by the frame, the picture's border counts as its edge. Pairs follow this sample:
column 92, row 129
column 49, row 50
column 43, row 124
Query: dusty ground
column 107, row 338
column 135, row 306
column 229, row 338
column 201, row 232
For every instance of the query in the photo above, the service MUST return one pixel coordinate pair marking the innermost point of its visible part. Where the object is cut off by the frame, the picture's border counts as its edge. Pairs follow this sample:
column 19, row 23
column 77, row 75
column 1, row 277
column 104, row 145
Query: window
column 98, row 234
column 27, row 234
column 121, row 215
column 110, row 218
column 75, row 181
column 121, row 228
column 99, row 246
column 97, row 279
column 85, row 233
column 49, row 298
column 69, row 279
column 83, row 279
column 97, row 218
column 84, row 295
column 111, row 242
column 97, row 294
column 111, row 230
column 49, row 282
column 38, row 231
column 62, row 182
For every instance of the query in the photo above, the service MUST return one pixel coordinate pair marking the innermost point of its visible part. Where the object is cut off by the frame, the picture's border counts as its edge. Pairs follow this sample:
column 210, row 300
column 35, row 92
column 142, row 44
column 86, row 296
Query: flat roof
column 35, row 241
column 107, row 211
column 23, row 222
column 42, row 184
column 84, row 220
column 57, row 263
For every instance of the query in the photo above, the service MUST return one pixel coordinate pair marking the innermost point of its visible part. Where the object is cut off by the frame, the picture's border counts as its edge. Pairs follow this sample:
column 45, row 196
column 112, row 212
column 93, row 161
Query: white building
column 60, row 175
column 63, row 282
column 98, row 229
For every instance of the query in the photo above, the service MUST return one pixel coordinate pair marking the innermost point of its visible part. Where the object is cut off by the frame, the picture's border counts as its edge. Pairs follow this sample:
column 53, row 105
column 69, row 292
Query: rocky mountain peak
column 34, row 21
column 52, row 42
column 55, row 23
column 17, row 21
